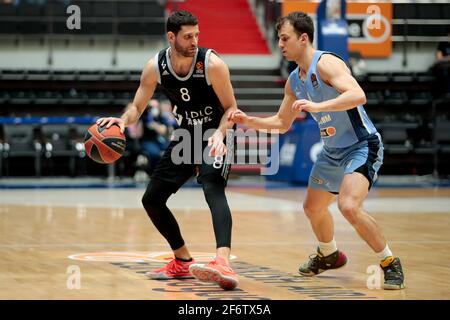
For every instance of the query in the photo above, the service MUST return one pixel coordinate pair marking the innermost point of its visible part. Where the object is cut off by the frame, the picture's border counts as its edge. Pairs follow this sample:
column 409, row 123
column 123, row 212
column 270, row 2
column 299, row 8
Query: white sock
column 385, row 253
column 327, row 248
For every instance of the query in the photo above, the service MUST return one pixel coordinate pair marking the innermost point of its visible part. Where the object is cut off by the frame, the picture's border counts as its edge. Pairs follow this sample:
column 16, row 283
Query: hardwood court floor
column 97, row 244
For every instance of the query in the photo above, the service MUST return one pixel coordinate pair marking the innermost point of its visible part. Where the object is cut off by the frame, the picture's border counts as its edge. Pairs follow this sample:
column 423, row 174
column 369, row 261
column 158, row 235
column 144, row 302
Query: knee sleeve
column 154, row 202
column 156, row 194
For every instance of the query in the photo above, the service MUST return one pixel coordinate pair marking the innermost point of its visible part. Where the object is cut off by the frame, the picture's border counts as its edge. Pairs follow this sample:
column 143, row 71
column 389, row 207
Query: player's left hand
column 218, row 148
column 305, row 105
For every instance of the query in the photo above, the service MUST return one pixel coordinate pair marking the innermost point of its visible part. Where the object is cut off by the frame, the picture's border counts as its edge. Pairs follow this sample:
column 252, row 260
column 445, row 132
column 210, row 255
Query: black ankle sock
column 184, row 260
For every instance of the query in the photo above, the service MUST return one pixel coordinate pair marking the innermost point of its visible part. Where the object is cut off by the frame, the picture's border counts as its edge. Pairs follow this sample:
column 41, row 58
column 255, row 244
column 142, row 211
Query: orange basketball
column 104, row 145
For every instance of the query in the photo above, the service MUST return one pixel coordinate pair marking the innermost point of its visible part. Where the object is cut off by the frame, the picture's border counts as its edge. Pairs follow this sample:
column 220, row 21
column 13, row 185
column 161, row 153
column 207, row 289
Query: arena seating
column 410, row 115
column 407, row 107
column 100, row 18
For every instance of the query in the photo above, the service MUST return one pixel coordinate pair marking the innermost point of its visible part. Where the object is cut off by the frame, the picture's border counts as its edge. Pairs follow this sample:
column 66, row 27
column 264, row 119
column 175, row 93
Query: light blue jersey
column 351, row 141
column 339, row 129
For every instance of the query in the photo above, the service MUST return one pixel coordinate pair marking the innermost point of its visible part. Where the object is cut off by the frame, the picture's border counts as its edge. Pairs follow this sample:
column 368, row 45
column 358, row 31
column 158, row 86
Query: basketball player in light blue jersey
column 352, row 153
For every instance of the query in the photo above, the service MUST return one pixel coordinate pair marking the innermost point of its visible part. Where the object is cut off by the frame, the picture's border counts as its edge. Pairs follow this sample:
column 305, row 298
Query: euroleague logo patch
column 199, row 67
column 327, row 132
column 139, row 256
column 314, row 82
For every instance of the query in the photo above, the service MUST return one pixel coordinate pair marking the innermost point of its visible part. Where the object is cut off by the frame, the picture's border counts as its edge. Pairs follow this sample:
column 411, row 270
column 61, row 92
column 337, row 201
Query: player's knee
column 350, row 210
column 149, row 200
column 312, row 211
column 308, row 209
column 212, row 186
column 153, row 197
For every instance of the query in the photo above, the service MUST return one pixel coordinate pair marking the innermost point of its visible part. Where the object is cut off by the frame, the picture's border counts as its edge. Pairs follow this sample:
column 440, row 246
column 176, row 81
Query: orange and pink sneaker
column 216, row 271
column 175, row 269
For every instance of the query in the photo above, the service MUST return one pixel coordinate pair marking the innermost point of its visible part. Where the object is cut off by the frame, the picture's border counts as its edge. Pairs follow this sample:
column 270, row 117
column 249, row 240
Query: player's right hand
column 109, row 121
column 238, row 116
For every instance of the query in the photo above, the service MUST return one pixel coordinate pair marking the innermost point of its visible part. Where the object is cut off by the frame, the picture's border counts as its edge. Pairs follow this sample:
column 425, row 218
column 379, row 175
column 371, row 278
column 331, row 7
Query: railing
column 406, row 23
column 267, row 12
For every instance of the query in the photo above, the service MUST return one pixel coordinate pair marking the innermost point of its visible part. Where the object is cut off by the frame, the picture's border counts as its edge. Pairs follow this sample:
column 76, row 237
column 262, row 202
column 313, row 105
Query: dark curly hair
column 178, row 19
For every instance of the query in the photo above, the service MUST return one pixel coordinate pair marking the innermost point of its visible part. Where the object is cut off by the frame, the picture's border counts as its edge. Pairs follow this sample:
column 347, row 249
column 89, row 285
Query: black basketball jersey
column 193, row 98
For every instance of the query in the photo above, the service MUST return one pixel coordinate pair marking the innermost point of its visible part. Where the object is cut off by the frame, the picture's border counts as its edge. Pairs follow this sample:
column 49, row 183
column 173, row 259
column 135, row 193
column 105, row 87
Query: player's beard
column 185, row 52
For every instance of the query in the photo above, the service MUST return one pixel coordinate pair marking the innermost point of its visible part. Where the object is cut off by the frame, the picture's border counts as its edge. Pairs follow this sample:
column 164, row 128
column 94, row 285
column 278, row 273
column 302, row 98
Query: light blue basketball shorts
column 364, row 157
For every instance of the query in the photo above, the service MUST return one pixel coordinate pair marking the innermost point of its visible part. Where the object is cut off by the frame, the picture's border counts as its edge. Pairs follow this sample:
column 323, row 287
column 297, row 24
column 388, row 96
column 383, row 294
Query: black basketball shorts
column 169, row 168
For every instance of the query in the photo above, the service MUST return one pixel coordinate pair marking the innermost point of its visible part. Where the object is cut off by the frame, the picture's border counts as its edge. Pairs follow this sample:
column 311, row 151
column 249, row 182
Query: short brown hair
column 301, row 22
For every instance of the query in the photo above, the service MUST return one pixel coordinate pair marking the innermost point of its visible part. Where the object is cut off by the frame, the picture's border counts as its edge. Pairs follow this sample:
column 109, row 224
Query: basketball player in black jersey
column 197, row 82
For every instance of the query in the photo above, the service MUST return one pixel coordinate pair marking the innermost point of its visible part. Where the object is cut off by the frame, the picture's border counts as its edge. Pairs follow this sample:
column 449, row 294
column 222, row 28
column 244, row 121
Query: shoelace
column 393, row 271
column 314, row 260
column 173, row 266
